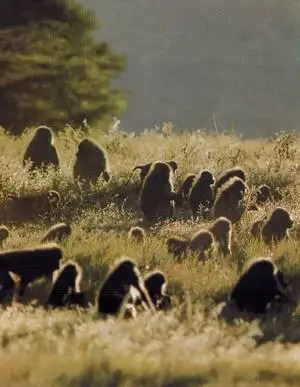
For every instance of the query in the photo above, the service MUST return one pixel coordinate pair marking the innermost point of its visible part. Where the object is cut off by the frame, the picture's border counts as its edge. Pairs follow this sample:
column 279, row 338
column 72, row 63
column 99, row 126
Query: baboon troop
column 222, row 230
column 41, row 152
column 91, row 163
column 275, row 228
column 201, row 195
column 57, row 233
column 144, row 169
column 136, row 234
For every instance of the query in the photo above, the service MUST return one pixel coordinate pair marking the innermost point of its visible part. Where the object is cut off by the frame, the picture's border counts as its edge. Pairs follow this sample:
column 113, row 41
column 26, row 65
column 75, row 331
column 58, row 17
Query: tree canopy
column 52, row 70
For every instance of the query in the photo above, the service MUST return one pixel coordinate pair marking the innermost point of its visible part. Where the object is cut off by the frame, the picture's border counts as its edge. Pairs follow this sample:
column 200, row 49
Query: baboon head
column 161, row 169
column 263, row 193
column 173, row 165
column 207, row 177
column 281, row 218
column 137, row 234
column 221, row 226
column 238, row 186
column 84, row 147
column 43, row 135
column 155, row 282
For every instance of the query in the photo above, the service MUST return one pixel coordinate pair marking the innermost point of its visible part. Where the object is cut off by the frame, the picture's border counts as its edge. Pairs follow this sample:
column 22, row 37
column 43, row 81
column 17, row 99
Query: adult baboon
column 28, row 207
column 136, row 234
column 201, row 195
column 156, row 284
column 115, row 289
column 275, row 228
column 41, row 152
column 65, row 290
column 91, row 162
column 157, row 195
column 4, row 234
column 57, row 233
column 258, row 286
column 225, row 176
column 230, row 200
column 202, row 244
column 144, row 169
column 222, row 230
column 30, row 264
column 177, row 246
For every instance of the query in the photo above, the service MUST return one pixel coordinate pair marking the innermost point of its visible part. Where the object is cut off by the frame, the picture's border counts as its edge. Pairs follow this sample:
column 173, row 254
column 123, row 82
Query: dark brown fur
column 222, row 230
column 201, row 195
column 202, row 244
column 177, row 247
column 257, row 226
column 156, row 284
column 276, row 226
column 225, row 176
column 57, row 233
column 137, row 234
column 185, row 189
column 144, row 169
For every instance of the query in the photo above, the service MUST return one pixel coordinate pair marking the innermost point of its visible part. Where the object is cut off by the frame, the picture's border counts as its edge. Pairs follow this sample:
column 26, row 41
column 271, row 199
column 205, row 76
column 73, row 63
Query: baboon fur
column 230, row 201
column 7, row 285
column 258, row 286
column 201, row 195
column 177, row 246
column 144, row 169
column 222, row 230
column 65, row 290
column 30, row 264
column 157, row 194
column 115, row 289
column 185, row 189
column 41, row 152
column 136, row 234
column 257, row 226
column 276, row 226
column 91, row 162
column 57, row 233
column 202, row 244
column 156, row 284
column 226, row 175
column 28, row 207
column 4, row 234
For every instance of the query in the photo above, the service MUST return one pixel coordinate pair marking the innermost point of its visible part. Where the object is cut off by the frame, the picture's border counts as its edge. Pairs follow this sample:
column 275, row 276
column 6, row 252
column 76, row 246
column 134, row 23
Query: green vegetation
column 189, row 346
column 52, row 70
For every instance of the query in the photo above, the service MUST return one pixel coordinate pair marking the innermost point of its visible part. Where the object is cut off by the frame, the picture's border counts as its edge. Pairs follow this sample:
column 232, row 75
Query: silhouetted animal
column 185, row 189
column 258, row 286
column 201, row 195
column 136, row 234
column 177, row 246
column 7, row 285
column 4, row 234
column 275, row 228
column 146, row 168
column 156, row 284
column 225, row 176
column 41, row 152
column 57, row 233
column 257, row 226
column 222, row 230
column 115, row 290
column 202, row 244
column 91, row 163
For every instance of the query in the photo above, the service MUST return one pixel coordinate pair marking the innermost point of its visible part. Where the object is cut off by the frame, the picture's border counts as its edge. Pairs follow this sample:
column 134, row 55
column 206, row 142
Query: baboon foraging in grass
column 201, row 195
column 156, row 284
column 222, row 230
column 30, row 264
column 177, row 246
column 226, row 176
column 65, row 290
column 41, row 152
column 136, row 234
column 91, row 162
column 202, row 244
column 275, row 228
column 146, row 168
column 57, row 233
column 157, row 195
column 28, row 207
column 259, row 286
column 4, row 234
column 262, row 194
column 115, row 289
column 185, row 189
column 230, row 200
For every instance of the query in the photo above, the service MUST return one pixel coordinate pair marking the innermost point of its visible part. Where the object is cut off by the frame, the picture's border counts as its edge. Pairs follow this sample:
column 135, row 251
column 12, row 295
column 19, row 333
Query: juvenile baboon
column 137, row 234
column 202, row 244
column 157, row 195
column 262, row 194
column 30, row 264
column 41, row 152
column 177, row 246
column 185, row 189
column 276, row 226
column 57, row 233
column 201, row 195
column 4, row 234
column 146, row 168
column 28, row 207
column 227, row 175
column 156, row 284
column 258, row 286
column 116, row 288
column 230, row 200
column 91, row 162
column 222, row 230
column 65, row 290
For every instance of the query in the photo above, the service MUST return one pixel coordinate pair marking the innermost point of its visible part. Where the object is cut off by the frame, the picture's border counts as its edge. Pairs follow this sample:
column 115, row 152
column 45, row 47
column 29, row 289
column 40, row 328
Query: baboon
column 202, row 244
column 157, row 195
column 91, row 163
column 41, row 152
column 156, row 284
column 177, row 246
column 57, row 233
column 115, row 290
column 230, row 200
column 137, row 234
column 30, row 264
column 65, row 290
column 227, row 175
column 276, row 226
column 222, row 230
column 4, row 234
column 201, row 195
column 258, row 286
column 185, row 189
column 146, row 168
column 260, row 196
column 28, row 207
column 257, row 226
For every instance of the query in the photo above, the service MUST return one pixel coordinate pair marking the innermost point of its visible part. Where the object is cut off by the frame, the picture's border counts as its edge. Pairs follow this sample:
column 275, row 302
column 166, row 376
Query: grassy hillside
column 188, row 346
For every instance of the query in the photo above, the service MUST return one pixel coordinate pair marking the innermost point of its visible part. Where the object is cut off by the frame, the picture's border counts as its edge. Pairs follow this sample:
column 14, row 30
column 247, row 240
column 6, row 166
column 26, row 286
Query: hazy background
column 190, row 60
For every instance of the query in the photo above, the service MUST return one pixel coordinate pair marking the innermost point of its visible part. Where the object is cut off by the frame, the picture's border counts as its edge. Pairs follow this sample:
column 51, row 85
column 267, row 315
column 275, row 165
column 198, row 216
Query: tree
column 52, row 70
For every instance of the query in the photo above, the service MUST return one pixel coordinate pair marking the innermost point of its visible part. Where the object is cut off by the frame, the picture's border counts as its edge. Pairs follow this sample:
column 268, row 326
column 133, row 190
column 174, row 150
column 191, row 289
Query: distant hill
column 190, row 60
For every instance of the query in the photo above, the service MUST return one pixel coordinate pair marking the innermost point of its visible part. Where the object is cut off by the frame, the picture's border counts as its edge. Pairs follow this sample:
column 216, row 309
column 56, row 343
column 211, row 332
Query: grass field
column 188, row 346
